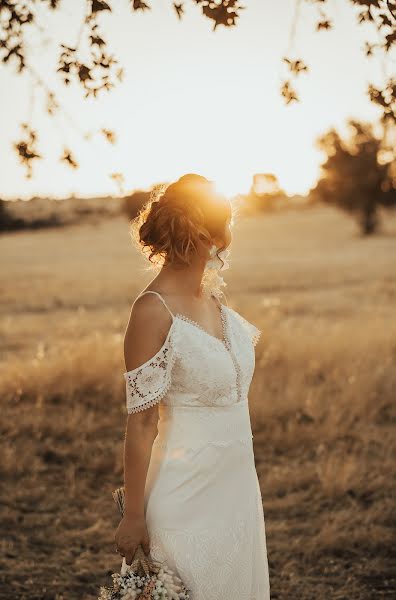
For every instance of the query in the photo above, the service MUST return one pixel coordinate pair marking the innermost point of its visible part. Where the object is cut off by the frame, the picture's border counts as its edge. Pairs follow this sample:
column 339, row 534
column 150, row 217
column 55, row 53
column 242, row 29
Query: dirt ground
column 322, row 402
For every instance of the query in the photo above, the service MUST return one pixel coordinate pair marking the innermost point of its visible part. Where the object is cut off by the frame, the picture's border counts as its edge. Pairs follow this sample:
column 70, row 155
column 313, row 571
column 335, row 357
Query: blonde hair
column 178, row 219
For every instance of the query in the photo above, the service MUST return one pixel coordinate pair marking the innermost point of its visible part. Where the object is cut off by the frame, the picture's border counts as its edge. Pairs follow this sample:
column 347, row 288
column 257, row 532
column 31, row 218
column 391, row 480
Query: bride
column 192, row 497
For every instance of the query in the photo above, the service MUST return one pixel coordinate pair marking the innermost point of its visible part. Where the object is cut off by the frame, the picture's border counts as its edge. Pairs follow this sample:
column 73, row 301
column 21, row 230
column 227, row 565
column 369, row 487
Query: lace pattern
column 243, row 337
column 210, row 371
column 198, row 326
column 233, row 357
column 149, row 383
column 251, row 329
column 218, row 561
column 193, row 567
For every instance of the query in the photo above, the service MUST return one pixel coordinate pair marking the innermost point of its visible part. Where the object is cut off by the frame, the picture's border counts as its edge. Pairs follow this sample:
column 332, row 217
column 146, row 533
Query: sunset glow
column 192, row 100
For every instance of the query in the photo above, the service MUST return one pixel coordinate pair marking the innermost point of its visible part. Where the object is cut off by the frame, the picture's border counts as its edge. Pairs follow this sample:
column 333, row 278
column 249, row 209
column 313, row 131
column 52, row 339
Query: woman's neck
column 187, row 280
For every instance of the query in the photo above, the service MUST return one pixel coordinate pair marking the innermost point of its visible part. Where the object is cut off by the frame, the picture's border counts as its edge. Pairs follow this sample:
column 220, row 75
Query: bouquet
column 144, row 579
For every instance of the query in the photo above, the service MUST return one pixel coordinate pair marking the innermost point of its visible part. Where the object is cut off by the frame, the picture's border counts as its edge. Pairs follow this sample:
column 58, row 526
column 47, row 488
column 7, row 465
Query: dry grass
column 322, row 402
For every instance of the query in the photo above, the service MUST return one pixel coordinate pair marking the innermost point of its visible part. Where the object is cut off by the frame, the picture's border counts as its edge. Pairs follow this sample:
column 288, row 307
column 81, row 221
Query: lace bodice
column 195, row 368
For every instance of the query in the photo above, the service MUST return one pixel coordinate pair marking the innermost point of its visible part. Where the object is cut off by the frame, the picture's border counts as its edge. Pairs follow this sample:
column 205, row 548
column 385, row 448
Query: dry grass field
column 322, row 402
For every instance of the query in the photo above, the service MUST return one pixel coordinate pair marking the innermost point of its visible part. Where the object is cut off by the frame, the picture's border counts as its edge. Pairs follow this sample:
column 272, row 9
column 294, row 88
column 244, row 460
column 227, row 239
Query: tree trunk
column 369, row 220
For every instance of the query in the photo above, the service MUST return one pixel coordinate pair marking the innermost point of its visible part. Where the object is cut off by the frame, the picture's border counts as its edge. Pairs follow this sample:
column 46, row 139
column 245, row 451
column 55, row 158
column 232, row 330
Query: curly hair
column 175, row 222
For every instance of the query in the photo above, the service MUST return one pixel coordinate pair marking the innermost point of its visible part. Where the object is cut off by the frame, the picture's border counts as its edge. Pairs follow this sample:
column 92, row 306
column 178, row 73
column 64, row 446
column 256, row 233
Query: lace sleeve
column 149, row 383
column 253, row 331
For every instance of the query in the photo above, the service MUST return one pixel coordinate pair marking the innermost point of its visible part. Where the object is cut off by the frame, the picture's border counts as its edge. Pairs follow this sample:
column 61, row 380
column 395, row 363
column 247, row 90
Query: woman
column 192, row 497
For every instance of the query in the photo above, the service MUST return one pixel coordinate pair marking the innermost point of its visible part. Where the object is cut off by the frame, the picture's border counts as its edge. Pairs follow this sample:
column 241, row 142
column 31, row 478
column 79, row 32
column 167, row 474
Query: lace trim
column 134, row 409
column 224, row 324
column 192, row 322
column 255, row 335
column 252, row 330
column 147, row 374
column 234, row 360
column 225, row 343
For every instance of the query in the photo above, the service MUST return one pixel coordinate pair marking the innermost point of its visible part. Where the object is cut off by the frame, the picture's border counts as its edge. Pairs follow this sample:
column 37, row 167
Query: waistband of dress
column 197, row 426
column 221, row 409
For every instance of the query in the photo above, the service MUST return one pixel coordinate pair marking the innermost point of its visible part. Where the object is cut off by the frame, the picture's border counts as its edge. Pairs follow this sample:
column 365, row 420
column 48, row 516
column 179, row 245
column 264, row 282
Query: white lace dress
column 204, row 509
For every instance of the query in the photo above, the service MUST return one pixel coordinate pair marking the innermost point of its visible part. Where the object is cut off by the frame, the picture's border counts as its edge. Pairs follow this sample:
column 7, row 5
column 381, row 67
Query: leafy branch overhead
column 381, row 14
column 27, row 148
column 91, row 65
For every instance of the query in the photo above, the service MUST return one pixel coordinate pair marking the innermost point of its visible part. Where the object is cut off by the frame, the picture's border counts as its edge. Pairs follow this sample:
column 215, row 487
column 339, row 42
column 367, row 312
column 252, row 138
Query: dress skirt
column 203, row 503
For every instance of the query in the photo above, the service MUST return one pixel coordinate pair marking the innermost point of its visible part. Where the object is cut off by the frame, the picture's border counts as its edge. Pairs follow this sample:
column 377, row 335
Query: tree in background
column 357, row 176
column 90, row 64
column 265, row 195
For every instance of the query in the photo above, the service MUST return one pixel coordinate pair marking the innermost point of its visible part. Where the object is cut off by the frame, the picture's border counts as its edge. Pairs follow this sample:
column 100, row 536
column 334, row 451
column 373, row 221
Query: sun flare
column 232, row 184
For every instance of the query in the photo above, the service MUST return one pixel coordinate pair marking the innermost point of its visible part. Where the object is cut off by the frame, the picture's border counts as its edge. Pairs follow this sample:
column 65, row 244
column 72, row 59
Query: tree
column 356, row 175
column 265, row 195
column 101, row 71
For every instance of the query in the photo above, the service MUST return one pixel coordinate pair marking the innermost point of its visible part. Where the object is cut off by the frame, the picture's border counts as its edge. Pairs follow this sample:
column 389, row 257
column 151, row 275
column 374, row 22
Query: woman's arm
column 141, row 430
column 145, row 334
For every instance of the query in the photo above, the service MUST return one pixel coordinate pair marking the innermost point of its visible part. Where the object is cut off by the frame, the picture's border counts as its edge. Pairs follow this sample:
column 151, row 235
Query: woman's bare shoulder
column 146, row 331
column 147, row 302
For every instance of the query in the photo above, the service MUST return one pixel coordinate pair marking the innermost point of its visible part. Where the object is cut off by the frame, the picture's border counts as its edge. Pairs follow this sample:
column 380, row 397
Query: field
column 322, row 402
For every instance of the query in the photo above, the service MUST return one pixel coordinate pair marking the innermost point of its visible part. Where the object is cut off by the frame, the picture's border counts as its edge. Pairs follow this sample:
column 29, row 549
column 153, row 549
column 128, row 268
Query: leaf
column 364, row 16
column 390, row 40
column 97, row 40
column 326, row 24
column 99, row 5
column 140, row 5
column 69, row 159
column 385, row 20
column 52, row 104
column 224, row 13
column 84, row 73
column 109, row 135
column 179, row 9
column 289, row 93
column 296, row 66
column 26, row 149
column 369, row 48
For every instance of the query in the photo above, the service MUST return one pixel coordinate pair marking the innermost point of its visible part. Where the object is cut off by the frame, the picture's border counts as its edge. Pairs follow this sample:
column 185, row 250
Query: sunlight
column 208, row 112
column 232, row 184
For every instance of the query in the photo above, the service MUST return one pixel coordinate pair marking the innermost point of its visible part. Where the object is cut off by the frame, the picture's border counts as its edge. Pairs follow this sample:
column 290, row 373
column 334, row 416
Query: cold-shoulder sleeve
column 149, row 383
column 253, row 332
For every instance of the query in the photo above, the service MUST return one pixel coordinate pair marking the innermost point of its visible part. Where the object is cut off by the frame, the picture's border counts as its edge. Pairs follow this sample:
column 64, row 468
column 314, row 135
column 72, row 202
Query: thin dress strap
column 161, row 298
column 217, row 299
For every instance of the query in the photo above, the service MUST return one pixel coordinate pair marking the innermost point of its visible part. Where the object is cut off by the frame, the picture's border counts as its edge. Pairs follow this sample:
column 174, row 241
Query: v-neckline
column 224, row 341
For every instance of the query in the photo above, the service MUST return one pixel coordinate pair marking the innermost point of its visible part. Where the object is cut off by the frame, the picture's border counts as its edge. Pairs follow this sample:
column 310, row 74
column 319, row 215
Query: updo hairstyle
column 173, row 225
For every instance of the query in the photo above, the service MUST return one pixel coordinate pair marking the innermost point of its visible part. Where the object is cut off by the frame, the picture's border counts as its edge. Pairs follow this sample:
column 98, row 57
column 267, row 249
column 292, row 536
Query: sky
column 192, row 100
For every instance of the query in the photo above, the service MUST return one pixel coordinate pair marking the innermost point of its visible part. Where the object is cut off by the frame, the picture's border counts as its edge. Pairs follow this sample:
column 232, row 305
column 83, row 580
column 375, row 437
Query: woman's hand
column 131, row 532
